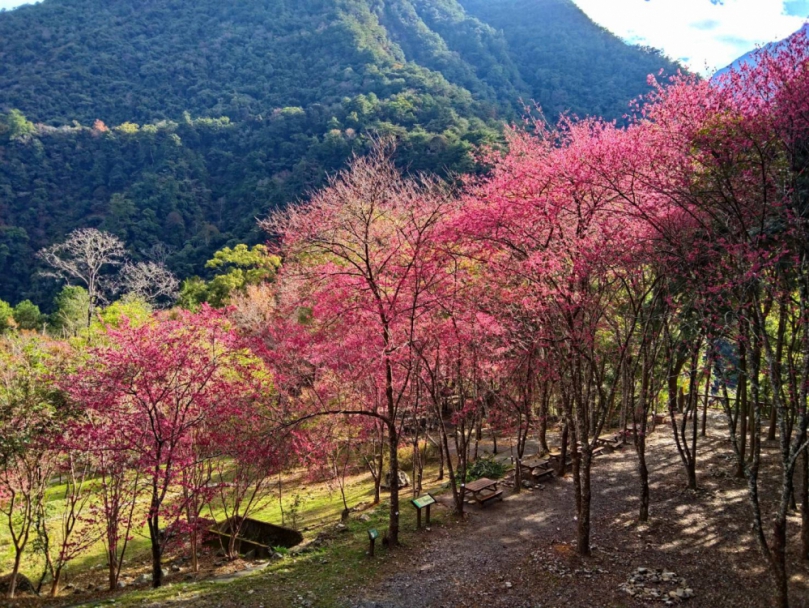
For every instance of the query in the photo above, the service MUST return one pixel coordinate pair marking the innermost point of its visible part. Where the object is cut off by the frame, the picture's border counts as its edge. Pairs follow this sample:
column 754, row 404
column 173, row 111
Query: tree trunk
column 543, row 418
column 157, row 553
column 518, row 467
column 393, row 526
column 457, row 493
column 643, row 472
column 741, row 399
column 380, row 463
column 12, row 586
column 625, row 391
column 805, row 505
column 112, row 572
column 437, row 444
column 440, row 463
column 57, row 578
column 754, row 408
column 676, row 403
column 640, row 417
column 707, row 393
column 418, row 467
column 194, row 547
column 523, row 428
column 576, row 457
column 691, row 469
column 779, row 562
column 775, row 375
column 563, row 451
column 773, row 422
column 446, row 457
column 694, row 406
column 478, row 436
column 583, row 532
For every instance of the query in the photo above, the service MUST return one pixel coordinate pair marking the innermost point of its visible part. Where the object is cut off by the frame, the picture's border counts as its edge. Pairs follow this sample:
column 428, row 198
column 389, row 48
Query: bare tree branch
column 85, row 258
column 151, row 281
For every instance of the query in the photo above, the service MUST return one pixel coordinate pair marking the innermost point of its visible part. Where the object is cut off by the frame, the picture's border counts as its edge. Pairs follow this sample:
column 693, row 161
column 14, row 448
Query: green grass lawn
column 334, row 570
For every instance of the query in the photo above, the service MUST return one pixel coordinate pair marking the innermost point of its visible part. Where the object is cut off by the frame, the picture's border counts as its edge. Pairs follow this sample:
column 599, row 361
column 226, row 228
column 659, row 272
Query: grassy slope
column 345, row 563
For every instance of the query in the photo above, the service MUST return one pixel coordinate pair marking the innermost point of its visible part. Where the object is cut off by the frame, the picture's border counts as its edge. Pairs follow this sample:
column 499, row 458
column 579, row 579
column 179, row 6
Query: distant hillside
column 212, row 113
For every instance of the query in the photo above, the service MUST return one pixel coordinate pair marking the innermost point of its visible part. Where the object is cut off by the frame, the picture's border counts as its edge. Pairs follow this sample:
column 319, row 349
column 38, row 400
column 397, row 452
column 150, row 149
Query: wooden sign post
column 422, row 502
column 372, row 536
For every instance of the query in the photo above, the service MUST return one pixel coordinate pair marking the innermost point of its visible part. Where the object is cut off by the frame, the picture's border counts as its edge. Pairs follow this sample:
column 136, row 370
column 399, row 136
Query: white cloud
column 702, row 34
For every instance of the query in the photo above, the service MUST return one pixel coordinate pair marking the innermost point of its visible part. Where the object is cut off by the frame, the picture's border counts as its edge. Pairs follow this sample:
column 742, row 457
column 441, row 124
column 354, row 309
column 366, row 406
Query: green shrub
column 485, row 466
column 27, row 316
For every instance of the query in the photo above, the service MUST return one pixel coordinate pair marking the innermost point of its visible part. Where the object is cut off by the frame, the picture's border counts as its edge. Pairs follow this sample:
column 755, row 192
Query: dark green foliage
column 220, row 112
column 72, row 304
column 485, row 466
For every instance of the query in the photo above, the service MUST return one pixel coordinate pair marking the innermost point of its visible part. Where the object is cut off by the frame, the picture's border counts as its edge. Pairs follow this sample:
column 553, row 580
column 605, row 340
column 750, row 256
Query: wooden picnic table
column 608, row 440
column 536, row 467
column 484, row 490
column 533, row 462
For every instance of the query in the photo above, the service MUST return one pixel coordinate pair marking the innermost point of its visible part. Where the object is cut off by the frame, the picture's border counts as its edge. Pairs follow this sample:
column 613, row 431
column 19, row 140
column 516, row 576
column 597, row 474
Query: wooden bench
column 484, row 499
column 598, row 451
column 539, row 474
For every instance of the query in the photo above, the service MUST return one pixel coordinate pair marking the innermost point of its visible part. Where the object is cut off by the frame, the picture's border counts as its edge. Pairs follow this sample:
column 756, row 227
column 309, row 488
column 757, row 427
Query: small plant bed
column 486, row 466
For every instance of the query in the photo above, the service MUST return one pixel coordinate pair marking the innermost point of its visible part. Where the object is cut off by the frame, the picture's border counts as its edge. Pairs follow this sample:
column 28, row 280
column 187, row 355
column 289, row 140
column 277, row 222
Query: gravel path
column 489, row 546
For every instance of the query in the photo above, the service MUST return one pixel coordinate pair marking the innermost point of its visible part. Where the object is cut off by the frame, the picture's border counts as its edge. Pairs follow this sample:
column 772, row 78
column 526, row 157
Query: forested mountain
column 178, row 122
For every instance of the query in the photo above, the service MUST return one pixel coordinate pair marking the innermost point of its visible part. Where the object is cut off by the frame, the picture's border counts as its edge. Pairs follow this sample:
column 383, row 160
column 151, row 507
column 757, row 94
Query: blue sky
column 703, row 34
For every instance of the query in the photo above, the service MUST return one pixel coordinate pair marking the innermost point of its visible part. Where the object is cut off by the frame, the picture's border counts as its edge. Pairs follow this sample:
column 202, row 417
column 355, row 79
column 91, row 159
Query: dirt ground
column 521, row 552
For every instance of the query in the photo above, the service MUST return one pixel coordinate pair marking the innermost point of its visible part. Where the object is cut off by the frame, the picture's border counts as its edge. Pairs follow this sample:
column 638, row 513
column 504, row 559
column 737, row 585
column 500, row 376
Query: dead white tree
column 151, row 281
column 86, row 257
